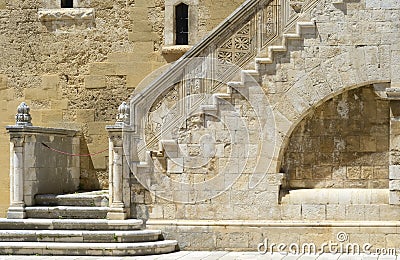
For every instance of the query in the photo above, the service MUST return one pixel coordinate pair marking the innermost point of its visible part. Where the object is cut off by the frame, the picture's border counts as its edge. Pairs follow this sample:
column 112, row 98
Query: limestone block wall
column 75, row 68
column 341, row 55
column 329, row 61
column 353, row 50
column 344, row 143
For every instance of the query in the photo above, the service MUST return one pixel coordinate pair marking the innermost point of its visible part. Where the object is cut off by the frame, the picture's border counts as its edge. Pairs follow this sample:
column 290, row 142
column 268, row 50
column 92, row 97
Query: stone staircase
column 76, row 224
column 86, row 205
column 235, row 89
column 255, row 59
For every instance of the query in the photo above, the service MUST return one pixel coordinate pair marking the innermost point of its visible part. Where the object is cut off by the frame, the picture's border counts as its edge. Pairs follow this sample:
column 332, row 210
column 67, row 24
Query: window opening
column 67, row 4
column 182, row 24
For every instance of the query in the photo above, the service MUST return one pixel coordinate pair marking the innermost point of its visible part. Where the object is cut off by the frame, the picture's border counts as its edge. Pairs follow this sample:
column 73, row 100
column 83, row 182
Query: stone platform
column 98, row 237
column 214, row 255
column 75, row 224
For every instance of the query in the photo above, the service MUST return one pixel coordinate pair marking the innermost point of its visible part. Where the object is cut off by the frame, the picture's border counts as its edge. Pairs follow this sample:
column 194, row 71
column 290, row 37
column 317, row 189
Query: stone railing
column 216, row 60
column 36, row 166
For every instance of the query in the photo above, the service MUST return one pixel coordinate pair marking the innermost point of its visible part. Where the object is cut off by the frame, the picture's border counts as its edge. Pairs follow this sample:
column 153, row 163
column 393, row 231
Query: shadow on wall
column 343, row 143
column 91, row 178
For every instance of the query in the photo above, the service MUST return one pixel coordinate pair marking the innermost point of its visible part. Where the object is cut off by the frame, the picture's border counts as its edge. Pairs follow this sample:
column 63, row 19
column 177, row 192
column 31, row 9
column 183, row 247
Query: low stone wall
column 327, row 236
column 43, row 157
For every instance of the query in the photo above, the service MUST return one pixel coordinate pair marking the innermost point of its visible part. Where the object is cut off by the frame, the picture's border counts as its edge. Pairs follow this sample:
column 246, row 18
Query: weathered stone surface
column 49, row 54
column 337, row 144
column 308, row 110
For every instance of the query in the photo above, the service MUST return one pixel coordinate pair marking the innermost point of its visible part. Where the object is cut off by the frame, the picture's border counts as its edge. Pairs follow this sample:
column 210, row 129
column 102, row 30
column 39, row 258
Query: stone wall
column 344, row 143
column 246, row 235
column 74, row 69
column 320, row 86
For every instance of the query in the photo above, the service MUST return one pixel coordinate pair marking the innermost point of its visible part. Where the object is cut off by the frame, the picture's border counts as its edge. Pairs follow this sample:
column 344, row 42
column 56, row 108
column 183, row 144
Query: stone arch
column 341, row 142
column 307, row 87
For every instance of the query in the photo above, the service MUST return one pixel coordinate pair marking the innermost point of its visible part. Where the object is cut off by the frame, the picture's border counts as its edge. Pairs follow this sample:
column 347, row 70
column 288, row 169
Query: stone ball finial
column 123, row 114
column 23, row 117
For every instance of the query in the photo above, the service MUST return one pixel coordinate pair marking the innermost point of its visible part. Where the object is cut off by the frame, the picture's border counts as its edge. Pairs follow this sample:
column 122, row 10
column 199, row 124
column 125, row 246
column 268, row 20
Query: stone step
column 80, row 236
column 336, row 196
column 67, row 212
column 93, row 249
column 70, row 224
column 89, row 199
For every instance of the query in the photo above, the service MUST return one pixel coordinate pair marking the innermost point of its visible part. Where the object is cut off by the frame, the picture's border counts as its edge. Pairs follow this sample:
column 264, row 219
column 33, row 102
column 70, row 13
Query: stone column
column 118, row 170
column 17, row 203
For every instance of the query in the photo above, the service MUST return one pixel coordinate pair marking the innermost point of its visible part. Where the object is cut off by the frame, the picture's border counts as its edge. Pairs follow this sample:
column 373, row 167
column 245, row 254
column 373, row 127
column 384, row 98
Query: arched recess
column 341, row 143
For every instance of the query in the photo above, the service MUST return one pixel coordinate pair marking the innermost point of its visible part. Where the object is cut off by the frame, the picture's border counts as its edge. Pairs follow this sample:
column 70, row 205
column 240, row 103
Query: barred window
column 182, row 24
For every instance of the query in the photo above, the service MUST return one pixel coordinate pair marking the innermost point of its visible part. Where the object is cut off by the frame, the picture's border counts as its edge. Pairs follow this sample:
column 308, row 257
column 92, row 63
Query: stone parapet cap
column 176, row 49
column 19, row 129
column 60, row 14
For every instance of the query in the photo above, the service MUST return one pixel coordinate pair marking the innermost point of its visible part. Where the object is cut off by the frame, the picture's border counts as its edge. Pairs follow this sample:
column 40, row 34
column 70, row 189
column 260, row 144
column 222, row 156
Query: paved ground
column 208, row 255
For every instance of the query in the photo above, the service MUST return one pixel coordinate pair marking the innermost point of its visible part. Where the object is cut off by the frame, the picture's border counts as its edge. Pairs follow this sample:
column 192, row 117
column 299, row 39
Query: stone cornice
column 16, row 129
